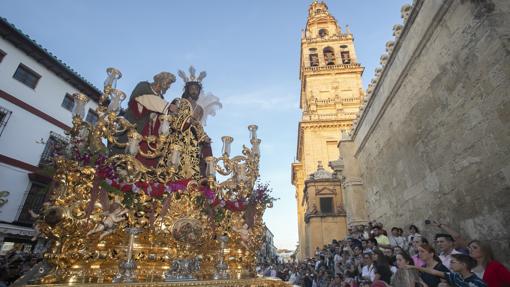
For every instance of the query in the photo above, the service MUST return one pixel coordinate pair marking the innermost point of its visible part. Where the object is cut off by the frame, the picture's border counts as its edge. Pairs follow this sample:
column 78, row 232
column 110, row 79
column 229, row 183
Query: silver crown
column 192, row 77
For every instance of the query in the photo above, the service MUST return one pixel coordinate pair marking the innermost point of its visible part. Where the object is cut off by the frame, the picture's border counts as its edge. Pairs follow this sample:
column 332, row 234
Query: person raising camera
column 461, row 274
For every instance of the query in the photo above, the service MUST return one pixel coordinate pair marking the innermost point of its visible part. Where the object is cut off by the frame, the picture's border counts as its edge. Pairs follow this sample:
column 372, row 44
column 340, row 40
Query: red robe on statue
column 151, row 127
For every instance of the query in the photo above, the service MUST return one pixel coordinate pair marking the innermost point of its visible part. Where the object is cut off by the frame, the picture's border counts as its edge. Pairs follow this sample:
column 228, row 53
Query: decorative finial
column 384, row 59
column 389, row 46
column 397, row 30
column 405, row 11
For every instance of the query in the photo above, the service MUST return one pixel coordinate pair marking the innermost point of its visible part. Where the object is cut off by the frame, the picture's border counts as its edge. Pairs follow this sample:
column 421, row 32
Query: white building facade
column 267, row 253
column 35, row 112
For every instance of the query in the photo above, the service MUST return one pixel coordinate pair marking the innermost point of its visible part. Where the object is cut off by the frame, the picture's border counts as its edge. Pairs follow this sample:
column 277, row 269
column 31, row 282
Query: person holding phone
column 460, row 276
column 413, row 232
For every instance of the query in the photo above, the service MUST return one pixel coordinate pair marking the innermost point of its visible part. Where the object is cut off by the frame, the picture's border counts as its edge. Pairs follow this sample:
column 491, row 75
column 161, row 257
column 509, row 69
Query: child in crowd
column 461, row 275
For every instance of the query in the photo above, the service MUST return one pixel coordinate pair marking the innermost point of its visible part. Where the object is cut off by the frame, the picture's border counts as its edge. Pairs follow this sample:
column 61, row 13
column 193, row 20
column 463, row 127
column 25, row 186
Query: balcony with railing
column 325, row 101
column 55, row 144
column 332, row 67
column 329, row 117
column 327, row 38
column 33, row 203
column 351, row 100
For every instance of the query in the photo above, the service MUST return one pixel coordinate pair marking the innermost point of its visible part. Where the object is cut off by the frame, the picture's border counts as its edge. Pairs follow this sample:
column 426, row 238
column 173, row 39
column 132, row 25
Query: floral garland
column 107, row 175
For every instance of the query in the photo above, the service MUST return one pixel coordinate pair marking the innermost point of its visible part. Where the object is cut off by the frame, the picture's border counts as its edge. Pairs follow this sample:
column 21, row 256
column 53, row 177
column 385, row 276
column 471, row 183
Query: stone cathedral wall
column 433, row 141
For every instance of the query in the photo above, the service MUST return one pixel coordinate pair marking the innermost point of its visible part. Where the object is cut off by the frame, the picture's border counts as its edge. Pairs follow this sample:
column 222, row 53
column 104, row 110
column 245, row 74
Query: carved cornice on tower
column 342, row 68
column 319, row 124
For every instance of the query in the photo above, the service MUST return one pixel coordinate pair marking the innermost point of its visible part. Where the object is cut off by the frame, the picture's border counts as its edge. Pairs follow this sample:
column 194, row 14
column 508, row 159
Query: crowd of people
column 15, row 263
column 370, row 256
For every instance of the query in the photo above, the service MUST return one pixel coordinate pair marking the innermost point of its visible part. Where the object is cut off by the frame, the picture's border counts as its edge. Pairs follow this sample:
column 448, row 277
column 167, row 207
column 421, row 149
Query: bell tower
column 331, row 95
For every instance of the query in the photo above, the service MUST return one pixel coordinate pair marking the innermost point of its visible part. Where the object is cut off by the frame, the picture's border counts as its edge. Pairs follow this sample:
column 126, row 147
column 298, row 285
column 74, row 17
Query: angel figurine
column 37, row 219
column 114, row 215
column 244, row 233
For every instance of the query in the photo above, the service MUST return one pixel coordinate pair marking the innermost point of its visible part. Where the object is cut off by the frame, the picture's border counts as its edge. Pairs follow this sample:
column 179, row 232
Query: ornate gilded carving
column 99, row 198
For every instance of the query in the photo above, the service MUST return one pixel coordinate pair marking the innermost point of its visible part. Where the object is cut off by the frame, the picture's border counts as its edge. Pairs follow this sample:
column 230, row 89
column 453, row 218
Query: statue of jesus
column 192, row 124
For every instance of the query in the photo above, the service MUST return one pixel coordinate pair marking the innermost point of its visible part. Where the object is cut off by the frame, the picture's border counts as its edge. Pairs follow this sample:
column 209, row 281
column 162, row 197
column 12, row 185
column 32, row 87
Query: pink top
column 417, row 261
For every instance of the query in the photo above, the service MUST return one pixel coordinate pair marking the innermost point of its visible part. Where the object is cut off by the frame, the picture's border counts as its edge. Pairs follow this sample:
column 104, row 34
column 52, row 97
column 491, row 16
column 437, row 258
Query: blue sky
column 250, row 50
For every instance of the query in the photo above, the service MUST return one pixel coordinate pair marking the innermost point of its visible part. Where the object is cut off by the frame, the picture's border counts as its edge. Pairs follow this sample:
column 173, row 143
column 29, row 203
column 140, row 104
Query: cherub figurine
column 244, row 233
column 38, row 219
column 114, row 215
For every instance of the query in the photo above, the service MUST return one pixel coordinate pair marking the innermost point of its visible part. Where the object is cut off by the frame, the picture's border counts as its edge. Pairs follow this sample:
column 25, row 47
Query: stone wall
column 434, row 139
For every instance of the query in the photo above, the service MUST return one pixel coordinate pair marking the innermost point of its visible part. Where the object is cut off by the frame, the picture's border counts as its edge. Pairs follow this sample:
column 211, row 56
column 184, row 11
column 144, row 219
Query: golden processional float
column 155, row 213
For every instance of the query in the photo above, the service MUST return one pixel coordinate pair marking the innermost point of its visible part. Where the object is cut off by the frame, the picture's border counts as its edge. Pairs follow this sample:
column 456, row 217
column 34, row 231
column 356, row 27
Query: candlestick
column 79, row 105
column 117, row 96
column 253, row 131
column 210, row 168
column 227, row 140
column 111, row 79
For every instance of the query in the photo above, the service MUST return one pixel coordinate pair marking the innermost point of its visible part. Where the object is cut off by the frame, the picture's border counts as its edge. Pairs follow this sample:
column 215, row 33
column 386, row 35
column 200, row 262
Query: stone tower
column 331, row 94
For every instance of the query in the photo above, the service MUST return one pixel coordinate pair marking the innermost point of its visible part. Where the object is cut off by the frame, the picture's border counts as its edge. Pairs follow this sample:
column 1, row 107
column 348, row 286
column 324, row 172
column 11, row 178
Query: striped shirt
column 455, row 279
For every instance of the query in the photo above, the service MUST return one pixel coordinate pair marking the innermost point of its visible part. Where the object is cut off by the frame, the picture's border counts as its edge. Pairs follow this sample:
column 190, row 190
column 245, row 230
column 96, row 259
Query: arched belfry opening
column 345, row 55
column 314, row 57
column 329, row 56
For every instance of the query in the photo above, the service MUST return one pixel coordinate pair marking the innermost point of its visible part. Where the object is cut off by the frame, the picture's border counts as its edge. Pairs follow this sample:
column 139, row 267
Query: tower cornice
column 315, row 40
column 340, row 68
column 318, row 124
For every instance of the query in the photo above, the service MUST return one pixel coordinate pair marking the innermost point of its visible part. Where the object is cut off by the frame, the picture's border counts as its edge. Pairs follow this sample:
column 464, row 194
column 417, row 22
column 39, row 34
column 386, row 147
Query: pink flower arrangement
column 107, row 174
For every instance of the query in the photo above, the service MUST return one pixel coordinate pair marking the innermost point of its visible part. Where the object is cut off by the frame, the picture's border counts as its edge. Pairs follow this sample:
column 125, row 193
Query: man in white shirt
column 337, row 259
column 367, row 271
column 445, row 243
column 396, row 239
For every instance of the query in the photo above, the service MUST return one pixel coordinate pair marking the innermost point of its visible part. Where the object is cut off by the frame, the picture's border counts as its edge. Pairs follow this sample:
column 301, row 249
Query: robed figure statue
column 145, row 105
column 185, row 116
column 194, row 106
